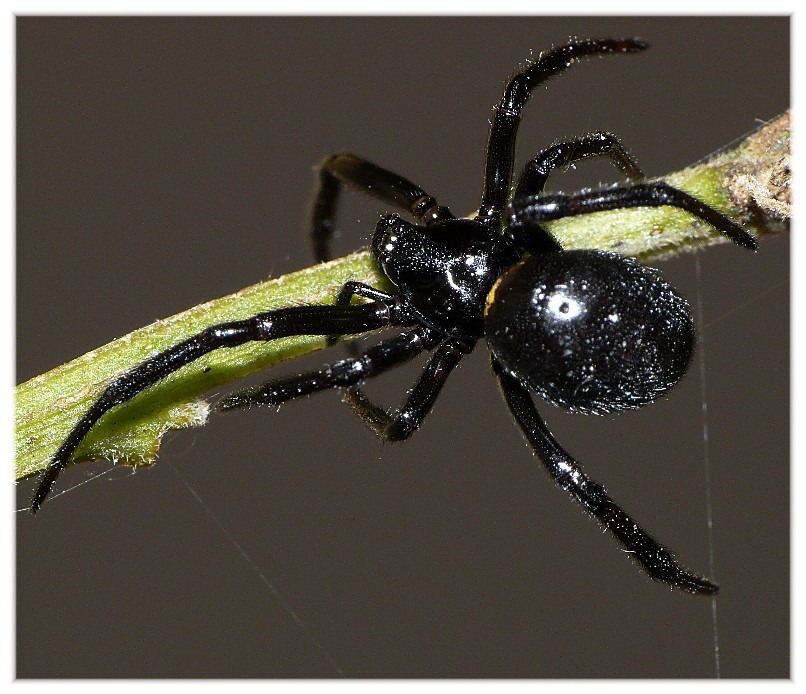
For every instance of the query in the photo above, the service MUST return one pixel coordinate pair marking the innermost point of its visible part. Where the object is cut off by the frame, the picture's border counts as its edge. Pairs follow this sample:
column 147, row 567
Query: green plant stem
column 749, row 182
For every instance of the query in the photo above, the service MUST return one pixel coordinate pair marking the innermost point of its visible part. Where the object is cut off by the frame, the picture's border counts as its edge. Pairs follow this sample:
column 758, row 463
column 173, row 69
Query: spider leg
column 536, row 172
column 507, row 114
column 344, row 297
column 532, row 181
column 379, row 358
column 544, row 208
column 352, row 288
column 271, row 325
column 406, row 420
column 566, row 472
column 390, row 188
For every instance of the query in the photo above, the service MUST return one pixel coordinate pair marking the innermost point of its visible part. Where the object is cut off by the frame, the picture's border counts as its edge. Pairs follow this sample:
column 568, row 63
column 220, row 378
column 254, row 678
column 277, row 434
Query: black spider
column 590, row 331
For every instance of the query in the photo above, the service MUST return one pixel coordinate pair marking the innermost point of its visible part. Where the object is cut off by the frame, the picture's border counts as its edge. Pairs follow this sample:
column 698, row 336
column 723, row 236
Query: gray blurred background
column 164, row 162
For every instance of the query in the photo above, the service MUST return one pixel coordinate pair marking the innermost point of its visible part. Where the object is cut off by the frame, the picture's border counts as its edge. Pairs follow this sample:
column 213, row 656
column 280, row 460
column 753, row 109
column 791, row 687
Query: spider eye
column 589, row 331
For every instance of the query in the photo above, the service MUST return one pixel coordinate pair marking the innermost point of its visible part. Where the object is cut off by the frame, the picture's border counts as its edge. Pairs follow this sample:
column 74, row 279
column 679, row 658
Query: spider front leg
column 390, row 188
column 349, row 373
column 544, row 208
column 567, row 473
column 264, row 327
column 345, row 296
column 378, row 359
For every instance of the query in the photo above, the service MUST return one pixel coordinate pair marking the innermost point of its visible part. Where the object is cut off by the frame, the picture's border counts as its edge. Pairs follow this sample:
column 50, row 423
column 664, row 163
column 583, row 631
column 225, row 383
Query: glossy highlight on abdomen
column 590, row 331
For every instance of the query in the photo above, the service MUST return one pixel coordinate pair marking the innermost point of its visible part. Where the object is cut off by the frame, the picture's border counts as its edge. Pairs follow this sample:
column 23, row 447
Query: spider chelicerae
column 590, row 331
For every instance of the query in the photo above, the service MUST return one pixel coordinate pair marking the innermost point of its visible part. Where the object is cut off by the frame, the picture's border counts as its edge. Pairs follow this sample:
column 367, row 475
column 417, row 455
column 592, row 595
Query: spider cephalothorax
column 588, row 331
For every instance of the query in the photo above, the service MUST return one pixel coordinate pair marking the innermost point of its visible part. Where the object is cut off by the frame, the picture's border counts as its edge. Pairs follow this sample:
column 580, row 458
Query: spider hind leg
column 657, row 561
column 545, row 208
column 533, row 237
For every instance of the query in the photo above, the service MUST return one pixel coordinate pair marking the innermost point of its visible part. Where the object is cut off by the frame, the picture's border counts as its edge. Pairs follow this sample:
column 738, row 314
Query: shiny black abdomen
column 590, row 331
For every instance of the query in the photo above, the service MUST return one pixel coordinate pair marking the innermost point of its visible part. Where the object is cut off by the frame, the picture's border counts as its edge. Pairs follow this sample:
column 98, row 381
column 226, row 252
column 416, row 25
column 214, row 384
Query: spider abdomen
column 589, row 331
